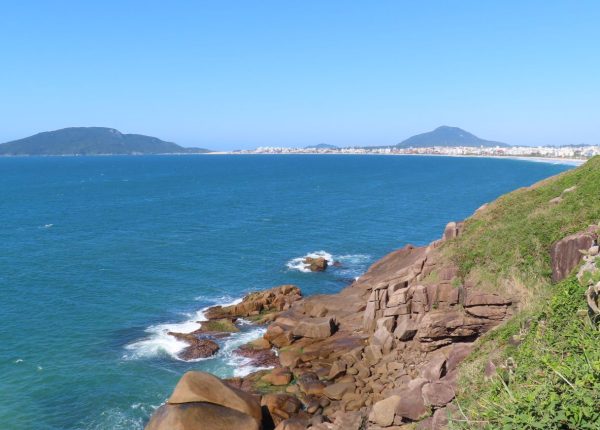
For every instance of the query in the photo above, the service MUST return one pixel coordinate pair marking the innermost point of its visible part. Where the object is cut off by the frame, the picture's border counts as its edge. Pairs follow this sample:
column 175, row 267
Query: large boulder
column 566, row 253
column 202, row 401
column 316, row 264
column 411, row 404
column 204, row 387
column 315, row 328
column 384, row 411
column 200, row 416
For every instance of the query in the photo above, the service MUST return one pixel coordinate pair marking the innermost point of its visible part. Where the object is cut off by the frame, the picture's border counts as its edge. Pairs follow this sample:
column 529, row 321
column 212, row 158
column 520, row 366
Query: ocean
column 100, row 256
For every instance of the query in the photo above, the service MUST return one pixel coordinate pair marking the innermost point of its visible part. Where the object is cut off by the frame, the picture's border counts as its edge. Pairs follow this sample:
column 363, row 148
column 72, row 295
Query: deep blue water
column 99, row 255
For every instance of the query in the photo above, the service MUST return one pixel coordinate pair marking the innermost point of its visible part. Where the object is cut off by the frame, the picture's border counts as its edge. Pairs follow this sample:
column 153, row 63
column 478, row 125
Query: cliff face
column 385, row 351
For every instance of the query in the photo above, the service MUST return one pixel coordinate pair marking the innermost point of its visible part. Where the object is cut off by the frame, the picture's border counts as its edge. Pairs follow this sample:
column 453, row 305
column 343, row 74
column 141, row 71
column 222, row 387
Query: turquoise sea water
column 99, row 256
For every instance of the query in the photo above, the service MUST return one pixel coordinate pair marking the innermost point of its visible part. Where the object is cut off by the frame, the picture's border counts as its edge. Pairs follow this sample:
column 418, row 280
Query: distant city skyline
column 239, row 75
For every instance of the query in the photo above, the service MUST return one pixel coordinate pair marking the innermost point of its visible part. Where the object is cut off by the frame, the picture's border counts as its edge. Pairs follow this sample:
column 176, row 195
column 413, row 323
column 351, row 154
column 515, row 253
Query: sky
column 240, row 74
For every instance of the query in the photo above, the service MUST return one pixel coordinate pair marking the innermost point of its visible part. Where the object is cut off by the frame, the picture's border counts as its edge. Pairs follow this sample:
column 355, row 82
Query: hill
column 447, row 136
column 92, row 141
column 322, row 146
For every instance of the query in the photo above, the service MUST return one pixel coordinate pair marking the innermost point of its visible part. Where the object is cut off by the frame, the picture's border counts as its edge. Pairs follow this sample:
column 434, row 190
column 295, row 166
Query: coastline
column 536, row 159
column 384, row 351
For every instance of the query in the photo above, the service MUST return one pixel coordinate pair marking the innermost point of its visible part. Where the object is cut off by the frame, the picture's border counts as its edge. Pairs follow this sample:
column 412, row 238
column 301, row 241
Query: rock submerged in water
column 198, row 347
column 318, row 264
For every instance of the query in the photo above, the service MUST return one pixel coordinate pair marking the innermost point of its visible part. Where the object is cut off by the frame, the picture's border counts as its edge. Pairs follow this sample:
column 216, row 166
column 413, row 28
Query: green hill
column 547, row 357
column 92, row 141
column 447, row 136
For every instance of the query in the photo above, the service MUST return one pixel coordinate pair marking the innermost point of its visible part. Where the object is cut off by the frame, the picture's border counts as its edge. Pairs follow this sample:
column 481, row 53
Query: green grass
column 513, row 235
column 547, row 357
column 550, row 381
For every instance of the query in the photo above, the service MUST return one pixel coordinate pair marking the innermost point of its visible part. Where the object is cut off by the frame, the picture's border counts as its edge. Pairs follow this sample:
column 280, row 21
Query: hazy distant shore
column 537, row 159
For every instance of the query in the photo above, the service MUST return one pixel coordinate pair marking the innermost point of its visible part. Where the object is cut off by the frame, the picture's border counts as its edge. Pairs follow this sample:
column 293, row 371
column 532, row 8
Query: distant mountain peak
column 322, row 146
column 447, row 136
column 91, row 141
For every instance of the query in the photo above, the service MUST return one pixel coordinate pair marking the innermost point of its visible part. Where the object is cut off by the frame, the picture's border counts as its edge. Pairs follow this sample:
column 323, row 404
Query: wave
column 121, row 419
column 241, row 365
column 159, row 342
column 298, row 263
column 351, row 265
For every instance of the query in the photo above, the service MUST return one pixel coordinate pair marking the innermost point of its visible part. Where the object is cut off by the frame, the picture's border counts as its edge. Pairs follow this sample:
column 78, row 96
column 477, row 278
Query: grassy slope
column 548, row 356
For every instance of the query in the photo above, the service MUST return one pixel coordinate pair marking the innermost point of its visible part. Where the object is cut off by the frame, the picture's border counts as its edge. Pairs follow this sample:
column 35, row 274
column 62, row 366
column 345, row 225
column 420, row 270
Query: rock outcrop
column 383, row 352
column 566, row 253
column 198, row 347
column 262, row 305
column 202, row 401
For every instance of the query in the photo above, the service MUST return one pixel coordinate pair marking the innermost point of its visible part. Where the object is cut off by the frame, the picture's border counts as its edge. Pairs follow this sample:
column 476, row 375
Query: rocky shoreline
column 382, row 353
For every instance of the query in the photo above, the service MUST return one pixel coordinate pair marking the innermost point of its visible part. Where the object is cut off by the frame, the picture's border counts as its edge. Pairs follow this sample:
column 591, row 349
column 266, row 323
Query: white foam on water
column 121, row 419
column 352, row 265
column 298, row 263
column 241, row 365
column 159, row 342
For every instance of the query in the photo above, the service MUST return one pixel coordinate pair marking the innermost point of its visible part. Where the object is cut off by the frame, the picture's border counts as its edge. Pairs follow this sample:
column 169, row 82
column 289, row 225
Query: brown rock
column 258, row 357
column 198, row 347
column 337, row 368
column 411, row 404
column 566, row 253
column 336, row 391
column 399, row 297
column 278, row 335
column 439, row 420
column 448, row 294
column 292, row 424
column 373, row 354
column 315, row 328
column 450, row 232
column 457, row 354
column 443, row 327
column 489, row 312
column 435, row 368
column 387, row 322
column 309, row 384
column 289, row 358
column 196, row 387
column 477, row 298
column 438, row 393
column 406, row 328
column 280, row 406
column 273, row 300
column 318, row 264
column 202, row 415
column 278, row 376
column 384, row 411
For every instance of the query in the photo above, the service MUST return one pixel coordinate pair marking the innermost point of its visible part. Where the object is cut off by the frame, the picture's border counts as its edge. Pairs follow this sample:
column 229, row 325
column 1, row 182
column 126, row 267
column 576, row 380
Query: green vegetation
column 551, row 380
column 446, row 136
column 513, row 235
column 223, row 325
column 91, row 141
column 547, row 358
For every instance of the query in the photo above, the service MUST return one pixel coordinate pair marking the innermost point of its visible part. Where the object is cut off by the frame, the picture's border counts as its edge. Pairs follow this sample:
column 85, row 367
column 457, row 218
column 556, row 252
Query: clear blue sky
column 237, row 74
